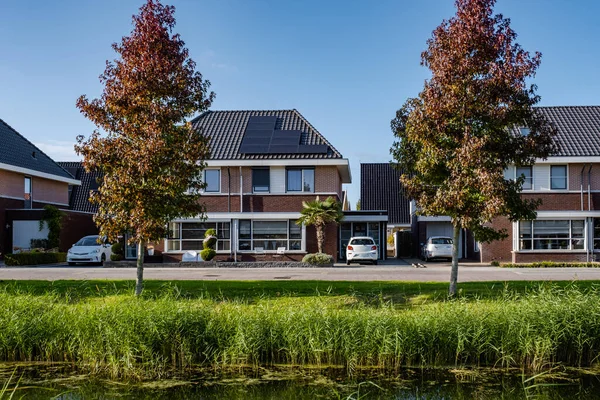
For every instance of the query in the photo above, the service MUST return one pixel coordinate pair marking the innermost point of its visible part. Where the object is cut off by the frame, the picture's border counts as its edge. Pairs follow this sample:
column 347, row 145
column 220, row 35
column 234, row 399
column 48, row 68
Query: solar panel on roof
column 312, row 149
column 283, row 149
column 254, row 149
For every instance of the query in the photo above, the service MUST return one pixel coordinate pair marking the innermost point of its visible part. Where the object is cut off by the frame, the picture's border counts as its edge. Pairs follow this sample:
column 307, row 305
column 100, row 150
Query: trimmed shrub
column 117, row 248
column 21, row 259
column 210, row 232
column 552, row 264
column 495, row 263
column 116, row 257
column 208, row 254
column 209, row 243
column 318, row 259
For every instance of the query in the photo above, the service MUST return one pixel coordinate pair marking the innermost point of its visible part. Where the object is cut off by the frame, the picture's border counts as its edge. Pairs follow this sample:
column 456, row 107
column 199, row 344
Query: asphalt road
column 435, row 272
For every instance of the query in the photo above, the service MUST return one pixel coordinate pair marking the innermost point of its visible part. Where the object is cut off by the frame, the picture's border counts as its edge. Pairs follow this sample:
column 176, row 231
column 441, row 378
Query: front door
column 130, row 249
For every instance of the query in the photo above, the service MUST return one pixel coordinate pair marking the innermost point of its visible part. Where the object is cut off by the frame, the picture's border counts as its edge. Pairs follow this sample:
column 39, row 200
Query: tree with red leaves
column 150, row 157
column 455, row 140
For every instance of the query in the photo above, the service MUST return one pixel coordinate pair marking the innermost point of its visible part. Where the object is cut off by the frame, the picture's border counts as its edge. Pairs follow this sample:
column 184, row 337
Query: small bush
column 117, row 248
column 210, row 232
column 210, row 242
column 495, row 263
column 318, row 259
column 34, row 258
column 116, row 257
column 208, row 254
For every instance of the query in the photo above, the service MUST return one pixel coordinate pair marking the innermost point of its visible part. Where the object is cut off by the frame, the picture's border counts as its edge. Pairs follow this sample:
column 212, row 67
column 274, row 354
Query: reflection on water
column 41, row 381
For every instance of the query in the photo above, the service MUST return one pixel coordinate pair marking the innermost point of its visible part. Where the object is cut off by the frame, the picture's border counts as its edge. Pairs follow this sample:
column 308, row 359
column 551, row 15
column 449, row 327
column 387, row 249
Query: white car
column 361, row 248
column 89, row 250
column 437, row 247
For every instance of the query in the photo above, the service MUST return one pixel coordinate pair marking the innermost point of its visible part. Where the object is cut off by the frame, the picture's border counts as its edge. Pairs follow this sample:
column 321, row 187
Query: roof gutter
column 45, row 175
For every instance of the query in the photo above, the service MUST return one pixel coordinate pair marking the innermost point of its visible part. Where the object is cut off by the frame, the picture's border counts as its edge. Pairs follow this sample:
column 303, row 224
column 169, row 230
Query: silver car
column 361, row 248
column 437, row 247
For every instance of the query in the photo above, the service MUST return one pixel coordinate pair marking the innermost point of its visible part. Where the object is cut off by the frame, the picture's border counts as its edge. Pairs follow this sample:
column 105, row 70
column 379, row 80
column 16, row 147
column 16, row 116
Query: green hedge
column 34, row 258
column 551, row 264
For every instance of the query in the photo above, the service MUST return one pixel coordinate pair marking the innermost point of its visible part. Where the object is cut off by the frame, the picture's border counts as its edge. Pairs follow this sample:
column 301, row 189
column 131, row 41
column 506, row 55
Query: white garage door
column 443, row 229
column 24, row 231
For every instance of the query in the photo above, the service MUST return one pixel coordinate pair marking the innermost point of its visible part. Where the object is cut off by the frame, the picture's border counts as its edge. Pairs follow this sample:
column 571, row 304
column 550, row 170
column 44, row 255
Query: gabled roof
column 380, row 189
column 20, row 154
column 79, row 199
column 578, row 129
column 225, row 130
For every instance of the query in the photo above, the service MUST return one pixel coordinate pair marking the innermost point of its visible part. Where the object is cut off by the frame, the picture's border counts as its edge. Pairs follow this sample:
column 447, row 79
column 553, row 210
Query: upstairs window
column 212, row 178
column 526, row 172
column 558, row 177
column 261, row 180
column 300, row 180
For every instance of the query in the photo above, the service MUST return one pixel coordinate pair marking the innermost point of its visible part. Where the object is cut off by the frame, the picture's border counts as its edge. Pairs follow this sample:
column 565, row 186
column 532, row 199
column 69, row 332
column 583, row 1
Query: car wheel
column 102, row 259
column 71, row 263
column 347, row 262
column 375, row 262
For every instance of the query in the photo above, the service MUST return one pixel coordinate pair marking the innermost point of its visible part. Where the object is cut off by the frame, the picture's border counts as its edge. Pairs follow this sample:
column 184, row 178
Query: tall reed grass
column 122, row 336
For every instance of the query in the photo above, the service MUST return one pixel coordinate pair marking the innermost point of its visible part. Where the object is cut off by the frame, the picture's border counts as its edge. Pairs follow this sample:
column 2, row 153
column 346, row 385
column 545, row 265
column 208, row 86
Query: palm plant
column 320, row 213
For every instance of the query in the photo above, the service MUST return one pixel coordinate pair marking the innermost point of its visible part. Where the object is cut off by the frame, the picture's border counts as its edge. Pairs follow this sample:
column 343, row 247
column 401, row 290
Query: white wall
column 24, row 231
column 277, row 179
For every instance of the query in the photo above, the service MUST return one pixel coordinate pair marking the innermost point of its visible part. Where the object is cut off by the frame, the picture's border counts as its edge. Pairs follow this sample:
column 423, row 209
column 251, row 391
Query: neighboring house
column 263, row 165
column 567, row 227
column 29, row 180
column 81, row 210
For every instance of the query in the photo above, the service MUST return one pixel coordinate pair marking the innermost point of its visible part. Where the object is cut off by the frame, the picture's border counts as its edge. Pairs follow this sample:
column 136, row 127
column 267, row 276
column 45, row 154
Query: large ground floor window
column 269, row 235
column 552, row 235
column 185, row 236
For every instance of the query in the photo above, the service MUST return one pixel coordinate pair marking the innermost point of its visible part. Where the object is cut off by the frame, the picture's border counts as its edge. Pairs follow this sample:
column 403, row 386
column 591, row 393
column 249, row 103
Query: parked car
column 89, row 249
column 437, row 247
column 361, row 248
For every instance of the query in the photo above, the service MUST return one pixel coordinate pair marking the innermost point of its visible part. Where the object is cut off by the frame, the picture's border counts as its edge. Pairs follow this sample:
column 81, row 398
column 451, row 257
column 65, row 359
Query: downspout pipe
column 581, row 188
column 590, row 187
column 228, row 190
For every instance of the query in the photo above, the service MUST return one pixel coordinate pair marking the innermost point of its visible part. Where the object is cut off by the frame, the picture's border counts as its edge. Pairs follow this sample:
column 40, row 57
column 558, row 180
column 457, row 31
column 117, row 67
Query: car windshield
column 88, row 241
column 362, row 242
column 441, row 241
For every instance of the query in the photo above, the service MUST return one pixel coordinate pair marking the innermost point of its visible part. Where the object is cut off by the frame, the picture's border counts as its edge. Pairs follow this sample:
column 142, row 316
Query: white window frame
column 302, row 239
column 566, row 176
column 180, row 239
column 268, row 169
column 302, row 170
column 532, row 239
column 531, row 175
column 205, row 181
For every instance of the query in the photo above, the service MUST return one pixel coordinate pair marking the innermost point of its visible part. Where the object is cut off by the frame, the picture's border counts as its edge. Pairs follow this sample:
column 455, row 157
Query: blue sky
column 347, row 66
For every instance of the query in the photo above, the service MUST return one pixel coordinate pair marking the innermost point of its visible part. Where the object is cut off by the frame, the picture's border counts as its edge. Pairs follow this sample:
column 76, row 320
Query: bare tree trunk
column 320, row 237
column 454, row 271
column 139, row 283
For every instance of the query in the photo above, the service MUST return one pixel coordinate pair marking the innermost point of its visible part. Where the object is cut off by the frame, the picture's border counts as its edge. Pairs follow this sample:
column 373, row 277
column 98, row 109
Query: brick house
column 263, row 165
column 567, row 227
column 29, row 180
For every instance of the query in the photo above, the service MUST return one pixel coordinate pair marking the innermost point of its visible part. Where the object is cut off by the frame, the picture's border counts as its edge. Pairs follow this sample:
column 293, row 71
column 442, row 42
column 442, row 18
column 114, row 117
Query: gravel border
column 218, row 264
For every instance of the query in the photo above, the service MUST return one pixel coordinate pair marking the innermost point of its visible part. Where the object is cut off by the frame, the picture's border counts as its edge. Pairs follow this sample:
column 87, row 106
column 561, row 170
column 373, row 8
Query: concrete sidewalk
column 433, row 273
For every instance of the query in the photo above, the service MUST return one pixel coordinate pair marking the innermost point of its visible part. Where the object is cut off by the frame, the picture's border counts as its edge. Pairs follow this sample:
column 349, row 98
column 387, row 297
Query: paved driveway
column 439, row 272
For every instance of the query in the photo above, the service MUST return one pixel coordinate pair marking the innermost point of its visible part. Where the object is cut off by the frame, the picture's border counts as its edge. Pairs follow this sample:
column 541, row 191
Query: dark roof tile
column 79, row 200
column 225, row 130
column 380, row 189
column 17, row 151
column 578, row 129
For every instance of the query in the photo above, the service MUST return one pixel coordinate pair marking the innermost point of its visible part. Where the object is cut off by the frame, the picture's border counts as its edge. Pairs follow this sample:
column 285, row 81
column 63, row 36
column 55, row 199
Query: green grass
column 100, row 326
